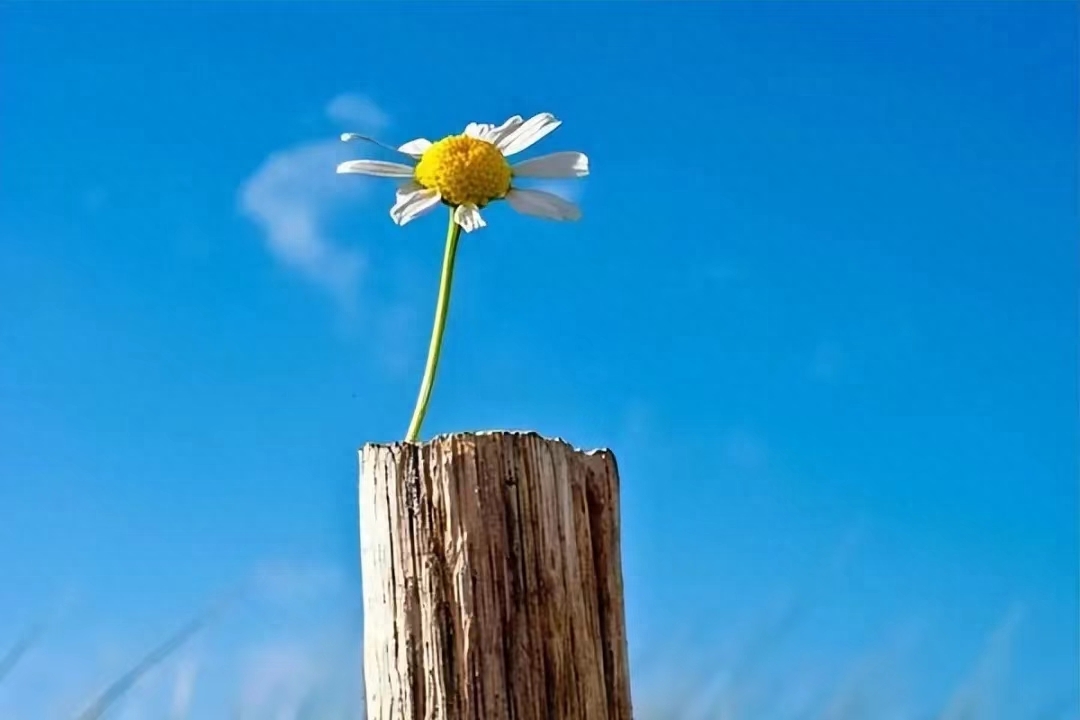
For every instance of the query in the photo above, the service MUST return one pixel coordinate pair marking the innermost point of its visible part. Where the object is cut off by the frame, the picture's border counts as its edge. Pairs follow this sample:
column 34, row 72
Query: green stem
column 441, row 308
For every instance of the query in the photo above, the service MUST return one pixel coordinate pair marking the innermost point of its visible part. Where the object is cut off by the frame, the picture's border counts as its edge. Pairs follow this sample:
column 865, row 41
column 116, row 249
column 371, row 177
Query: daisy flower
column 469, row 171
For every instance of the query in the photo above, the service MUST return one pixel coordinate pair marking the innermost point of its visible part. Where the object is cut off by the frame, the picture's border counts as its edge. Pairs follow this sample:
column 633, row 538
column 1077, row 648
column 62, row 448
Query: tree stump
column 492, row 581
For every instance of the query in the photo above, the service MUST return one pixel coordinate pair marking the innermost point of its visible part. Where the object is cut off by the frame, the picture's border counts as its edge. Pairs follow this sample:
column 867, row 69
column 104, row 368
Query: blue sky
column 822, row 305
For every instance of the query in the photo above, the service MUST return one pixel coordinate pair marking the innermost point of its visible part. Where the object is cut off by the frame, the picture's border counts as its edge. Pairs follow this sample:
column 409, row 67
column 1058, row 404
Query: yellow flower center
column 464, row 170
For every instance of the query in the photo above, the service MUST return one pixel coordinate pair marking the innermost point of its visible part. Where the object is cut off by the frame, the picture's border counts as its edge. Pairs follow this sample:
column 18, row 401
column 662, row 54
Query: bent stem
column 441, row 308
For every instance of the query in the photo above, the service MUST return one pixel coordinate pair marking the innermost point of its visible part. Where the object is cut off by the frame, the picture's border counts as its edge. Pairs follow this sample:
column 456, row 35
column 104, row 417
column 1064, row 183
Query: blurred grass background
column 754, row 677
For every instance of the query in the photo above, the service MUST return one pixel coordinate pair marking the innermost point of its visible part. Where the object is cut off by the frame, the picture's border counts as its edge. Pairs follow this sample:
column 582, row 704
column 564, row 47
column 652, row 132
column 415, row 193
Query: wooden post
column 492, row 581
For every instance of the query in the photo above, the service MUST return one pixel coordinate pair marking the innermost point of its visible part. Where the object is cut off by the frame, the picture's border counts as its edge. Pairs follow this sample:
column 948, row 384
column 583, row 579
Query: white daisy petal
column 412, row 202
column 496, row 134
column 542, row 205
column 478, row 130
column 528, row 133
column 555, row 165
column 415, row 147
column 379, row 168
column 468, row 217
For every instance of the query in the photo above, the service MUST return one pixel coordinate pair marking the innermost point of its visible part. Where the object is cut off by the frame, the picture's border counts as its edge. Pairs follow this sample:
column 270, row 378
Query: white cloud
column 289, row 197
column 356, row 111
column 294, row 193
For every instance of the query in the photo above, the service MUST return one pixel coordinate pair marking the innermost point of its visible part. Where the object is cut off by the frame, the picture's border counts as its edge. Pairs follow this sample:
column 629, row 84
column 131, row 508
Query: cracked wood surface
column 492, row 581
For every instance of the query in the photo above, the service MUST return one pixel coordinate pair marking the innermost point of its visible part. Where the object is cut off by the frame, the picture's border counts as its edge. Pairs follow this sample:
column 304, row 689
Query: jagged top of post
column 490, row 433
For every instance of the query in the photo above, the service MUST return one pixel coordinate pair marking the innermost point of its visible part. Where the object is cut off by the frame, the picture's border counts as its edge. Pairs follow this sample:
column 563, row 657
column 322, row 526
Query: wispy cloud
column 293, row 194
column 356, row 111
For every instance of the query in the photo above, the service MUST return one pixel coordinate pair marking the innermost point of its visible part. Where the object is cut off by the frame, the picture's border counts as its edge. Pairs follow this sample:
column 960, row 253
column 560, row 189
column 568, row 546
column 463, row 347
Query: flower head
column 469, row 171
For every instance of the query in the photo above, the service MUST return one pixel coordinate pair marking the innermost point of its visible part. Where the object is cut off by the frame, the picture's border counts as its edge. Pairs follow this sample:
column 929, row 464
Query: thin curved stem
column 441, row 309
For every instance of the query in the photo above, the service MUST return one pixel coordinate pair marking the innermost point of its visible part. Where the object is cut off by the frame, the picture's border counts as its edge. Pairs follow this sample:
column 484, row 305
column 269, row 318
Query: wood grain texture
column 492, row 581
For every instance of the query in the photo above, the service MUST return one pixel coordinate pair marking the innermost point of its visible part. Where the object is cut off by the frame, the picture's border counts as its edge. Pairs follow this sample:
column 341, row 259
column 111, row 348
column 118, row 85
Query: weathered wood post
column 492, row 581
